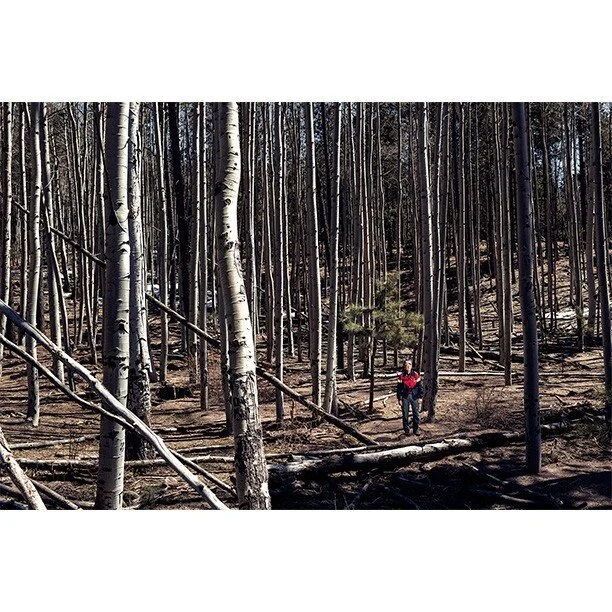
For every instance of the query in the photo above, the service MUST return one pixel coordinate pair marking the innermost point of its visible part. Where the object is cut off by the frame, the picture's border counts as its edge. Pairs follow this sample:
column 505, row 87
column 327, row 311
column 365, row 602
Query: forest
column 209, row 305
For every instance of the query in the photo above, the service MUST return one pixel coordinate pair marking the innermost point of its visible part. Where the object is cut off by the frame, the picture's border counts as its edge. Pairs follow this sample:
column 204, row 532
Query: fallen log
column 330, row 418
column 395, row 457
column 18, row 476
column 48, row 443
column 113, row 405
column 90, row 462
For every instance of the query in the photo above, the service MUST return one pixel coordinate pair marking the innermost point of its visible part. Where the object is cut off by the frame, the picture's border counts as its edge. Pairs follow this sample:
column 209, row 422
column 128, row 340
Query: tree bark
column 6, row 218
column 34, row 259
column 314, row 315
column 602, row 261
column 116, row 320
column 531, row 398
column 163, row 246
column 139, row 393
column 251, row 473
column 330, row 402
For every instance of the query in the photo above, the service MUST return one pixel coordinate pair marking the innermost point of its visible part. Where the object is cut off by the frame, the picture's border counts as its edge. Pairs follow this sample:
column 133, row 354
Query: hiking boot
column 417, row 432
column 407, row 432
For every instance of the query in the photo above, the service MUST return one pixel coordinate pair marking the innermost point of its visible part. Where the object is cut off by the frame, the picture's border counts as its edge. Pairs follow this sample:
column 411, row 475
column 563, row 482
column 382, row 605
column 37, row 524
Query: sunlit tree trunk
column 429, row 307
column 6, row 218
column 34, row 259
column 202, row 184
column 24, row 273
column 314, row 317
column 55, row 295
column 139, row 392
column 116, row 319
column 251, row 470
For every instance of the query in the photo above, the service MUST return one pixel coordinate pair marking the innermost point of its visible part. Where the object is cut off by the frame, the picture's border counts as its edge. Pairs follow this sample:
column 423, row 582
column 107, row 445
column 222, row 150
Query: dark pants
column 416, row 419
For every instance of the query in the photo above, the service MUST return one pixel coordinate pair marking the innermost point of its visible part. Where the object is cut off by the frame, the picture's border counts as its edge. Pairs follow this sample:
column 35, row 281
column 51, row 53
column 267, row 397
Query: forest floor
column 576, row 464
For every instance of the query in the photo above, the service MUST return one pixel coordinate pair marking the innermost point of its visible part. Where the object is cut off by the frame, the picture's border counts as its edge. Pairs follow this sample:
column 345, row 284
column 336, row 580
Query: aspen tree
column 572, row 215
column 202, row 186
column 603, row 273
column 6, row 218
column 162, row 245
column 429, row 307
column 531, row 398
column 116, row 320
column 279, row 263
column 461, row 197
column 398, row 219
column 194, row 261
column 24, row 238
column 139, row 393
column 312, row 240
column 55, row 295
column 330, row 402
column 251, row 470
column 34, row 260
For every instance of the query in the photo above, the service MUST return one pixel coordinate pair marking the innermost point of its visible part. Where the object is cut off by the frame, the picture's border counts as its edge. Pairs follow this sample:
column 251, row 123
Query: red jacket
column 406, row 383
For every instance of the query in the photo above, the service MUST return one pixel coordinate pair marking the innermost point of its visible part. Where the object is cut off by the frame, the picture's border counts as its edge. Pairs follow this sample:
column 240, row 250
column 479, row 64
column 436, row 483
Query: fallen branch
column 359, row 495
column 113, row 405
column 343, row 425
column 18, row 476
column 78, row 247
column 54, row 496
column 85, row 404
column 547, row 500
column 502, row 498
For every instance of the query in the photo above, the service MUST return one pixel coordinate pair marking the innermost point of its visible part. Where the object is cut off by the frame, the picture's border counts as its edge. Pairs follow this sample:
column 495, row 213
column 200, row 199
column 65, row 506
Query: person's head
column 407, row 366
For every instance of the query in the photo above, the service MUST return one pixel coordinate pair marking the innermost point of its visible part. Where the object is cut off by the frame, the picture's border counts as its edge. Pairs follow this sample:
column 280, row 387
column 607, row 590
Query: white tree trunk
column 314, row 318
column 34, row 259
column 116, row 321
column 251, row 471
column 52, row 271
column 430, row 322
column 6, row 219
column 139, row 393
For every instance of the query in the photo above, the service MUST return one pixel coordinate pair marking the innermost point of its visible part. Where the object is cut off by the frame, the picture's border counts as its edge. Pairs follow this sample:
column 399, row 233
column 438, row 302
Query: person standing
column 408, row 396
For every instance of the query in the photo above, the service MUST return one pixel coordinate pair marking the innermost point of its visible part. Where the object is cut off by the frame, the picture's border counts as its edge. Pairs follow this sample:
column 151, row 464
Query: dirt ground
column 575, row 464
